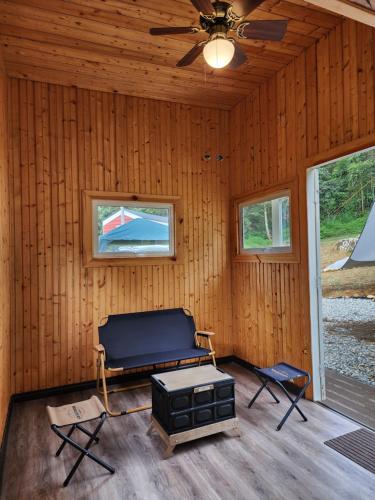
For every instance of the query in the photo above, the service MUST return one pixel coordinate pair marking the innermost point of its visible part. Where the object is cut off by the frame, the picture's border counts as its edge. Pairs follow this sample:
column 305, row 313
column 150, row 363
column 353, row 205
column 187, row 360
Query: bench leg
column 212, row 352
column 106, row 393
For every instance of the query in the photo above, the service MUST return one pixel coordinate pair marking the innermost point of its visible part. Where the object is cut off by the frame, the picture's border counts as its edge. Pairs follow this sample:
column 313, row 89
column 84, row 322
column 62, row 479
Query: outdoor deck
column 262, row 464
column 350, row 397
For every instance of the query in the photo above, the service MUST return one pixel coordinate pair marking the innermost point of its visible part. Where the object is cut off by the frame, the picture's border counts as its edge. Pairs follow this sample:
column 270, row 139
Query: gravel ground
column 349, row 337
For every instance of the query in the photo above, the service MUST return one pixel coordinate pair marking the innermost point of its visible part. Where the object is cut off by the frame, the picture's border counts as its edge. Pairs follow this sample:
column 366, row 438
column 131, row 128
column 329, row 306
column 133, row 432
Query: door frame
column 315, row 285
column 313, row 245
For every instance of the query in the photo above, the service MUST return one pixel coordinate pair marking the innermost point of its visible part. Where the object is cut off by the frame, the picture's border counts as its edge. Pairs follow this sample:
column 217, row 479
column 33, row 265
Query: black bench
column 149, row 338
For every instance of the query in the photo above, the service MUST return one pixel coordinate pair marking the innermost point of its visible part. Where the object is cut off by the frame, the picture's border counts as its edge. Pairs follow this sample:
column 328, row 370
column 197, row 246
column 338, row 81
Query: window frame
column 273, row 254
column 91, row 257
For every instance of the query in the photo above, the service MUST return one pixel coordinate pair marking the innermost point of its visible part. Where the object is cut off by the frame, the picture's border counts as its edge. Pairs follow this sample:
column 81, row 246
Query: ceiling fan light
column 218, row 52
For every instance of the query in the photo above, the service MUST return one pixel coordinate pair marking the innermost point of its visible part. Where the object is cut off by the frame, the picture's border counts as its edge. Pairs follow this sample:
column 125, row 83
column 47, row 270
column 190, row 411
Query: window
column 264, row 230
column 265, row 225
column 122, row 229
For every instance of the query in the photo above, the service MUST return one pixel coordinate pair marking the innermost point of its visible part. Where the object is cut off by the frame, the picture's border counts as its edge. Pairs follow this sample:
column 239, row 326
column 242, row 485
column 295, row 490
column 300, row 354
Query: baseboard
column 4, row 440
column 91, row 384
column 129, row 377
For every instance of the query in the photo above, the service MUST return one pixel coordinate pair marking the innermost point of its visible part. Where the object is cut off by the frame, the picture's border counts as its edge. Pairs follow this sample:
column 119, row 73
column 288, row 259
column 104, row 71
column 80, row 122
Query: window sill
column 136, row 261
column 279, row 257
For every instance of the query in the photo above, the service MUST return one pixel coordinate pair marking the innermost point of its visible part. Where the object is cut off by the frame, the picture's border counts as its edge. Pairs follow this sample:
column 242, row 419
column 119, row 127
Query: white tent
column 363, row 253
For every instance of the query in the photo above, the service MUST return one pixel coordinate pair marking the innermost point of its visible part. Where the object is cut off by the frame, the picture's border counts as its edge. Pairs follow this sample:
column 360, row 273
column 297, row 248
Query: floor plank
column 262, row 464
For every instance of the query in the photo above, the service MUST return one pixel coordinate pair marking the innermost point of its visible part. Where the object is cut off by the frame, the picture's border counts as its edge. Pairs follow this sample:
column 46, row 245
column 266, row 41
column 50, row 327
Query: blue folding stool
column 278, row 374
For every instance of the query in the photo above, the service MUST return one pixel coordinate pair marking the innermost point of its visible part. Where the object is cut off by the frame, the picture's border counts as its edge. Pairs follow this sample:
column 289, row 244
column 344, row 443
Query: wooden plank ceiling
column 105, row 45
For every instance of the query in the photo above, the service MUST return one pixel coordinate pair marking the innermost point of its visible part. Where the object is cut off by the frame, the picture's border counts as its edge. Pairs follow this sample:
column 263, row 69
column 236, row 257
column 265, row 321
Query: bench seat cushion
column 156, row 358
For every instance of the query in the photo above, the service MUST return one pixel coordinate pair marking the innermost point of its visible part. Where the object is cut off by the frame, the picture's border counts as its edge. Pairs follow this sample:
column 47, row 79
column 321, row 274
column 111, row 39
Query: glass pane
column 133, row 230
column 266, row 224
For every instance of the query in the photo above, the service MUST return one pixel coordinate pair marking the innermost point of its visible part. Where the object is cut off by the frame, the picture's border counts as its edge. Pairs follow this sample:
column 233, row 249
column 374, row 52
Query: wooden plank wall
column 325, row 98
column 63, row 140
column 5, row 367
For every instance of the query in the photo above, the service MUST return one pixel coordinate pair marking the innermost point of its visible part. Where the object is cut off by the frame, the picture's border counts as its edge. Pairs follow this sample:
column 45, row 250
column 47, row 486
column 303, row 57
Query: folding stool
column 74, row 415
column 278, row 374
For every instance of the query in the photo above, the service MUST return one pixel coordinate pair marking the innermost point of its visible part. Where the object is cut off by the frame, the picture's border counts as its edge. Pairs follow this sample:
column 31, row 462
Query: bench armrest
column 99, row 348
column 205, row 334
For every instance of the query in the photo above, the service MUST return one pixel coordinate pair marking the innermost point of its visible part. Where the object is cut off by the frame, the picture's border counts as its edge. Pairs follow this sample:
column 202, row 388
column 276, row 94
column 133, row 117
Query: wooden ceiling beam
column 349, row 9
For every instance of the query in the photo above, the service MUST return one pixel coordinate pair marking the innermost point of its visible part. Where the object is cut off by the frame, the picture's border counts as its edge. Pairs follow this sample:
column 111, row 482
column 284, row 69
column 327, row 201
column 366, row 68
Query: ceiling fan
column 219, row 19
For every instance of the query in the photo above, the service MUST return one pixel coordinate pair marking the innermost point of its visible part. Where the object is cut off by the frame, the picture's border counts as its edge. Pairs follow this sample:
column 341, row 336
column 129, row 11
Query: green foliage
column 342, row 227
column 347, row 192
column 257, row 219
column 256, row 241
column 257, row 223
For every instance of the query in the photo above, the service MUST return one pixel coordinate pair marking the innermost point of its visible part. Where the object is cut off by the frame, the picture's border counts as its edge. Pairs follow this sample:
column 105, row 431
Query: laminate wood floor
column 262, row 464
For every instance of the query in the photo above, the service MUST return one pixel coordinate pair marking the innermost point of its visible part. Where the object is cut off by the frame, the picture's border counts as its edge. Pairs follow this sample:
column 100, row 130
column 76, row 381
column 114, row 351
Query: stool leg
column 88, row 433
column 293, row 405
column 80, row 458
column 257, row 394
column 263, row 386
column 87, row 453
column 272, row 394
column 64, row 442
column 84, row 450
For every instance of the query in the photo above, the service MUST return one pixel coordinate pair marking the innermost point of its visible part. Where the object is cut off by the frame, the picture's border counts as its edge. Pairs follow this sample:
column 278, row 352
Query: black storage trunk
column 192, row 397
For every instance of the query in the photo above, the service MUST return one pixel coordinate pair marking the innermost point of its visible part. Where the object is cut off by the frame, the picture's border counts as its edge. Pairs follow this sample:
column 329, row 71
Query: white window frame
column 289, row 253
column 272, row 249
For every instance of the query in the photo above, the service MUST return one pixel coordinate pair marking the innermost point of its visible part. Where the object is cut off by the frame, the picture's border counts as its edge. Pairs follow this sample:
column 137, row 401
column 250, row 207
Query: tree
column 347, row 188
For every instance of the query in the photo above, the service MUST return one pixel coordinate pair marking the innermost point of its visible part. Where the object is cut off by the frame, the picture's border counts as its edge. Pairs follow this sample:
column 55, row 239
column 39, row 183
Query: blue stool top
column 282, row 372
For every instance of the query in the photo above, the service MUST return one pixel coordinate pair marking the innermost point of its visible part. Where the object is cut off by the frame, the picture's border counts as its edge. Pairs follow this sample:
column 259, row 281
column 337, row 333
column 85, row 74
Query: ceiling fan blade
column 243, row 7
column 263, row 30
column 204, row 6
column 191, row 56
column 239, row 56
column 173, row 30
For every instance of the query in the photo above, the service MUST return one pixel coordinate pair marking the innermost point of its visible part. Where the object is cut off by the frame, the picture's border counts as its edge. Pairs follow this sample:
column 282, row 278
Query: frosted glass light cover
column 218, row 52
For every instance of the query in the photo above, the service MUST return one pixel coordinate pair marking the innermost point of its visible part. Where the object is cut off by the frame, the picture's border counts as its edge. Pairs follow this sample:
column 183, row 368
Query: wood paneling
column 318, row 103
column 5, row 367
column 106, row 46
column 64, row 140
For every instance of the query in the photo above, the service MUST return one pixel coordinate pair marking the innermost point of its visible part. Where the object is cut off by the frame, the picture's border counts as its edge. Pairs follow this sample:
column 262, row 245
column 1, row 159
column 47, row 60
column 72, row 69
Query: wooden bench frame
column 101, row 381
